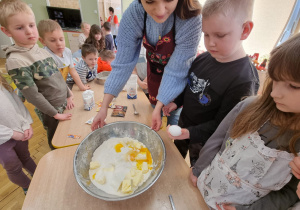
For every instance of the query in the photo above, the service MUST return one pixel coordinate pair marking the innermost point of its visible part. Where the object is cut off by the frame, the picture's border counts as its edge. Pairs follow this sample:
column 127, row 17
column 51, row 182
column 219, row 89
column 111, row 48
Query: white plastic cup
column 131, row 87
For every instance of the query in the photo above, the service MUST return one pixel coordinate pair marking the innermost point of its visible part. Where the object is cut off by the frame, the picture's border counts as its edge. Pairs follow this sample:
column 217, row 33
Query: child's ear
column 4, row 30
column 42, row 41
column 247, row 28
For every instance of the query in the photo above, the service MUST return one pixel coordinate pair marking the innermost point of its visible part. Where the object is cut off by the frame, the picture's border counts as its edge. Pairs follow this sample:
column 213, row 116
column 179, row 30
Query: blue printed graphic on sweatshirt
column 200, row 86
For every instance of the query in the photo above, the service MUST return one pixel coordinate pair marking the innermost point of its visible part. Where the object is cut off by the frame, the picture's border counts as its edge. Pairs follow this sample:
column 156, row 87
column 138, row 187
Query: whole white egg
column 175, row 130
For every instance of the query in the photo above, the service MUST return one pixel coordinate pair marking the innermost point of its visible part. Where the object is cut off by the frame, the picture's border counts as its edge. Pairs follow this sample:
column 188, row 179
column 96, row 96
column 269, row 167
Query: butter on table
column 94, row 165
column 126, row 186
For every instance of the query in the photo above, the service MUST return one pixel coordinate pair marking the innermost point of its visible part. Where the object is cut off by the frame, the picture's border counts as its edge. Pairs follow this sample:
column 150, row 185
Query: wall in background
column 269, row 18
column 125, row 4
column 89, row 11
column 5, row 42
column 72, row 4
column 39, row 9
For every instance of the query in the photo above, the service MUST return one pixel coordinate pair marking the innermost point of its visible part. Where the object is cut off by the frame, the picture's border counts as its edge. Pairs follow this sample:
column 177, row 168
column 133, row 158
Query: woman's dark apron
column 157, row 59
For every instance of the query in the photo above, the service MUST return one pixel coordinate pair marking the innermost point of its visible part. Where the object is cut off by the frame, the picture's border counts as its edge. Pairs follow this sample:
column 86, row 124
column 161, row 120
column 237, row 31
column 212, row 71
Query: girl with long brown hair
column 96, row 38
column 248, row 156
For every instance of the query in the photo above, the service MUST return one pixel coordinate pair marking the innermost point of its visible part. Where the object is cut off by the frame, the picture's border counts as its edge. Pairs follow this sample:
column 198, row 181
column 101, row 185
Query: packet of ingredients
column 111, row 105
column 119, row 111
column 74, row 136
column 90, row 121
column 88, row 99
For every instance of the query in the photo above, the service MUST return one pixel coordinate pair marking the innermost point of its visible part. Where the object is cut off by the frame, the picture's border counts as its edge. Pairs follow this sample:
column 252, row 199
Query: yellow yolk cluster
column 132, row 168
column 142, row 156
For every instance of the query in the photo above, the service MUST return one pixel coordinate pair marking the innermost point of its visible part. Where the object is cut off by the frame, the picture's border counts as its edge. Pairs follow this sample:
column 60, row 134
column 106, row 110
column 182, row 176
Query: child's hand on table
column 169, row 108
column 62, row 116
column 70, row 104
column 85, row 87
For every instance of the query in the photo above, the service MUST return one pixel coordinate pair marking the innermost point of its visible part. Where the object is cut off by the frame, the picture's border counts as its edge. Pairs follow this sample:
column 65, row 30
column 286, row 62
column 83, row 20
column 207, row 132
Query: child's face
column 286, row 95
column 55, row 41
column 222, row 37
column 98, row 36
column 86, row 28
column 91, row 59
column 159, row 10
column 22, row 28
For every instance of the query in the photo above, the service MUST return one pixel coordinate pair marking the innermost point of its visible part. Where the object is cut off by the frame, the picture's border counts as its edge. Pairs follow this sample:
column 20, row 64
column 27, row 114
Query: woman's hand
column 295, row 165
column 185, row 134
column 193, row 178
column 226, row 207
column 99, row 120
column 169, row 108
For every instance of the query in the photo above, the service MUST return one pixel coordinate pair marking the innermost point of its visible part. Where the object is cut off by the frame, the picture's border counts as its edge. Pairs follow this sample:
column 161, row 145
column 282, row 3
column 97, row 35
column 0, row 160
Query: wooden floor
column 11, row 195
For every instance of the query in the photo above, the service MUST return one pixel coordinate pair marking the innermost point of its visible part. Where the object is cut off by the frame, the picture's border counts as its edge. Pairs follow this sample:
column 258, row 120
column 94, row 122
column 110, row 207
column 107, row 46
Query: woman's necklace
column 160, row 31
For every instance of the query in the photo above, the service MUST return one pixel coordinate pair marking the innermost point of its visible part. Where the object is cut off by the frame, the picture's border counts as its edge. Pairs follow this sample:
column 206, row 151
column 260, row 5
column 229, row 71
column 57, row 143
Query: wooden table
column 54, row 186
column 77, row 125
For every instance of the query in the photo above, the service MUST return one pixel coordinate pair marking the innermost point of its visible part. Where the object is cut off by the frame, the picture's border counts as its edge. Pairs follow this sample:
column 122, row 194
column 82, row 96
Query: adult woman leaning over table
column 170, row 31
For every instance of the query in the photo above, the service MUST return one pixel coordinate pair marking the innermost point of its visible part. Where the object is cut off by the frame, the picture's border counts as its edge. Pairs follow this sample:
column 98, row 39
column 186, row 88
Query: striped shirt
column 85, row 73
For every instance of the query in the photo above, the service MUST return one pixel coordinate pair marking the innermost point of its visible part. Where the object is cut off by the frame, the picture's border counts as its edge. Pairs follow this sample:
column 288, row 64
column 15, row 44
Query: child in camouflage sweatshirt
column 33, row 69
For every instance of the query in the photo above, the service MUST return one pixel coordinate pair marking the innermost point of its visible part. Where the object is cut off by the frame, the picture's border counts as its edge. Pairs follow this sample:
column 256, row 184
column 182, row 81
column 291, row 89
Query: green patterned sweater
column 35, row 73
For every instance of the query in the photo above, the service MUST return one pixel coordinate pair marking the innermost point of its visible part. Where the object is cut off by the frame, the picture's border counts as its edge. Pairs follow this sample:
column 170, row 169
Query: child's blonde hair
column 82, row 25
column 242, row 9
column 107, row 55
column 46, row 26
column 284, row 65
column 9, row 8
column 5, row 84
